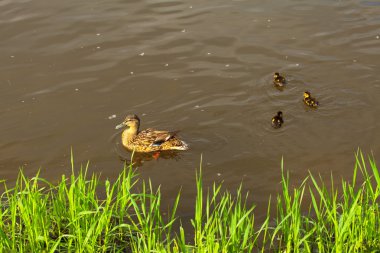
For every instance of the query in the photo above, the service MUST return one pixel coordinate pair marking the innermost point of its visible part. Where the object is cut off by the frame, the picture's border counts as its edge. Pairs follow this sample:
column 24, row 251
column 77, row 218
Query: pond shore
column 69, row 216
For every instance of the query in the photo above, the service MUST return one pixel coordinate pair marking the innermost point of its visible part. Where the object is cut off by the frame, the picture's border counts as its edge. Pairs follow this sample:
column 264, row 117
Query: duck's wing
column 156, row 137
column 162, row 136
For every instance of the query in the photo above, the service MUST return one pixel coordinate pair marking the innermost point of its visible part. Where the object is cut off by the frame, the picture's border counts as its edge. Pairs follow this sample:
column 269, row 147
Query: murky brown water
column 203, row 67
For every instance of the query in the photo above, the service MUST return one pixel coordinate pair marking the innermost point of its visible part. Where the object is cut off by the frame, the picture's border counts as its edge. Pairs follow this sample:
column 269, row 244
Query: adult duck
column 148, row 140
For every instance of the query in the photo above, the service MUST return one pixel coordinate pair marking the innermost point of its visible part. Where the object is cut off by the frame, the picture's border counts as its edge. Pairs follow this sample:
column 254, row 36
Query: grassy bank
column 38, row 216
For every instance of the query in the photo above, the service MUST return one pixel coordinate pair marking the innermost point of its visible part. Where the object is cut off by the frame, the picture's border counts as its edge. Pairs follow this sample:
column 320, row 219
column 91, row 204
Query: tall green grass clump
column 336, row 220
column 223, row 223
column 69, row 216
column 37, row 216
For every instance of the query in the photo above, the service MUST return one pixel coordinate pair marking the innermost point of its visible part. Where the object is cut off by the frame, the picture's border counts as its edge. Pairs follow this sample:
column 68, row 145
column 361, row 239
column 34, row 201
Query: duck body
column 148, row 140
column 277, row 120
column 279, row 80
column 310, row 101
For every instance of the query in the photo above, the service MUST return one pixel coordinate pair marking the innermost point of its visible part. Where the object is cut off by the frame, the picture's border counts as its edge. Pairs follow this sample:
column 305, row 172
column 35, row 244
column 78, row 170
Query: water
column 70, row 71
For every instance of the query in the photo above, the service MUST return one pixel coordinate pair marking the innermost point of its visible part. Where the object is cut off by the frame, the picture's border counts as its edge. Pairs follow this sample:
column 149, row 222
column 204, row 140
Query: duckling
column 277, row 120
column 279, row 80
column 148, row 140
column 311, row 102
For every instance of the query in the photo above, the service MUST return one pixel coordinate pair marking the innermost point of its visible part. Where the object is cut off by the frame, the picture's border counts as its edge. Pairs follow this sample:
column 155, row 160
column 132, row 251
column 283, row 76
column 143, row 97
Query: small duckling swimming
column 279, row 80
column 311, row 102
column 277, row 120
column 148, row 140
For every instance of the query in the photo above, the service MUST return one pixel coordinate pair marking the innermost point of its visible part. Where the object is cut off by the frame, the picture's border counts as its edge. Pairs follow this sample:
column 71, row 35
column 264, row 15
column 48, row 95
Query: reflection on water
column 205, row 69
column 137, row 159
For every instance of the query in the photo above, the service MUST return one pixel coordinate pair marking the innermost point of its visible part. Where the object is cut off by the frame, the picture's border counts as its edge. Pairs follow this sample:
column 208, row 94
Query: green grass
column 68, row 216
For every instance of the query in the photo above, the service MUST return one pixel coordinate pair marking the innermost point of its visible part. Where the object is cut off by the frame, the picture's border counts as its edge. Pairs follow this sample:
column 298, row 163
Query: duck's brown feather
column 150, row 140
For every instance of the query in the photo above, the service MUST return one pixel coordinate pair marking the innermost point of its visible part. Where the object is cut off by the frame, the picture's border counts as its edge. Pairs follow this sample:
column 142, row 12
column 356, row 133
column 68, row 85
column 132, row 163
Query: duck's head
column 279, row 113
column 306, row 94
column 276, row 75
column 131, row 122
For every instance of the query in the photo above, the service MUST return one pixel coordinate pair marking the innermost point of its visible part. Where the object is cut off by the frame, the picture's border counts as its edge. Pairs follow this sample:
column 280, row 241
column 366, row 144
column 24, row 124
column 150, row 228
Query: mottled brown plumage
column 148, row 140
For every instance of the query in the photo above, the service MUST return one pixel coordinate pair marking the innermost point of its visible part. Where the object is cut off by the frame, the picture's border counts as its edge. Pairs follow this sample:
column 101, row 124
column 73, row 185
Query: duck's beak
column 120, row 125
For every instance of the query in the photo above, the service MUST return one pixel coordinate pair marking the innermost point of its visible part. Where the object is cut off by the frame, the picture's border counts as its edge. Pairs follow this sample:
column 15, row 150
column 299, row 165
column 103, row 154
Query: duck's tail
column 182, row 146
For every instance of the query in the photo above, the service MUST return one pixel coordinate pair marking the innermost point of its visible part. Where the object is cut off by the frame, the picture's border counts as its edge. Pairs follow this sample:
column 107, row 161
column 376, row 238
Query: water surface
column 72, row 70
